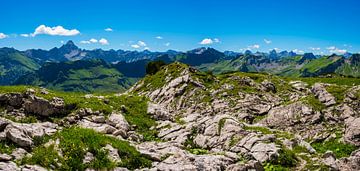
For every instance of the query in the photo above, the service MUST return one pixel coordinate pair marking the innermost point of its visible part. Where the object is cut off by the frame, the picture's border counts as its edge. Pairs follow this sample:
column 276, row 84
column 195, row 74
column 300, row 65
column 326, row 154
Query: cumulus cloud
column 331, row 48
column 159, row 37
column 135, row 46
column 298, row 51
column 3, row 36
column 55, row 31
column 103, row 41
column 255, row 46
column 167, row 44
column 92, row 41
column 85, row 42
column 315, row 48
column 206, row 41
column 277, row 49
column 108, row 29
column 267, row 41
column 334, row 49
column 25, row 35
column 139, row 44
column 216, row 40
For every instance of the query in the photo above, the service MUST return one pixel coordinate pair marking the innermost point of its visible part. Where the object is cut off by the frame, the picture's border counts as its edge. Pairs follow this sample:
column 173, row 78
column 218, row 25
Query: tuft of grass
column 340, row 149
column 337, row 91
column 47, row 157
column 135, row 112
column 221, row 124
column 179, row 120
column 26, row 119
column 198, row 151
column 7, row 147
column 75, row 142
column 314, row 102
column 263, row 130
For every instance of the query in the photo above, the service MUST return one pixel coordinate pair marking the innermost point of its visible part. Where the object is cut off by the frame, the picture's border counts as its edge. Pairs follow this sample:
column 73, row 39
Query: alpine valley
column 73, row 109
column 70, row 68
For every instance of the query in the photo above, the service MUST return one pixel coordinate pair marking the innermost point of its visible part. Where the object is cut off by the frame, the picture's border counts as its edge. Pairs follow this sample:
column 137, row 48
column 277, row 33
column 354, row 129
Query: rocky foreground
column 183, row 119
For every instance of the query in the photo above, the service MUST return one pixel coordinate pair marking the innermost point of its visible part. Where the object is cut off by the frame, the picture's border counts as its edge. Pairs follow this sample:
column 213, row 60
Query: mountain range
column 69, row 68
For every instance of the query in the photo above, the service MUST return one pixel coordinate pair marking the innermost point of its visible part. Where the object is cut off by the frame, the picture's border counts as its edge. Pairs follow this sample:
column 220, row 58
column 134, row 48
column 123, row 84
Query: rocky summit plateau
column 181, row 118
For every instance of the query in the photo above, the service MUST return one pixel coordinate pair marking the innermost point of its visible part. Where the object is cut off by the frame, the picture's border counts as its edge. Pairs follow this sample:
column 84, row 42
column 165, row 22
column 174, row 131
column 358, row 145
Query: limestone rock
column 9, row 166
column 118, row 121
column 352, row 131
column 324, row 97
column 43, row 107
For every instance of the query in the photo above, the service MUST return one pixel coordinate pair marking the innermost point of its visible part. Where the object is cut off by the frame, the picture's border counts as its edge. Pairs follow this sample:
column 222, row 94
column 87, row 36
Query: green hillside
column 79, row 76
column 13, row 65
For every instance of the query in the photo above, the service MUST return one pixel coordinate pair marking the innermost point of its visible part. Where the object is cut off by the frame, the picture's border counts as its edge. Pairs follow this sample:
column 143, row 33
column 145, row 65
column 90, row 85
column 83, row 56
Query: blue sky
column 302, row 25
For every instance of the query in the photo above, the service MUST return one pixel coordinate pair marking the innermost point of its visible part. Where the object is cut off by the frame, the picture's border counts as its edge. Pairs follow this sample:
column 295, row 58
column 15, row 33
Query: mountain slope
column 84, row 76
column 306, row 65
column 13, row 65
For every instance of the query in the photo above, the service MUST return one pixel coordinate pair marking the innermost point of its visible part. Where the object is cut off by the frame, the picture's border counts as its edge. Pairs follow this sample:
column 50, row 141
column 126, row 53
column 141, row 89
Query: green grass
column 340, row 149
column 135, row 111
column 75, row 142
column 314, row 65
column 152, row 82
column 26, row 119
column 179, row 120
column 263, row 130
column 221, row 124
column 335, row 80
column 44, row 156
column 312, row 101
column 7, row 146
column 337, row 91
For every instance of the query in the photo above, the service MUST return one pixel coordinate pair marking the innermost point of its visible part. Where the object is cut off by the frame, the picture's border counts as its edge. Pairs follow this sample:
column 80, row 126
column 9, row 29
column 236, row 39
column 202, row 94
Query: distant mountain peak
column 70, row 43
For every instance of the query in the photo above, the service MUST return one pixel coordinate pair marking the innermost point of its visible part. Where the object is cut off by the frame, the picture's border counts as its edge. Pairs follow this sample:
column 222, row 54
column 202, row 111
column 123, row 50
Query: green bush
column 154, row 66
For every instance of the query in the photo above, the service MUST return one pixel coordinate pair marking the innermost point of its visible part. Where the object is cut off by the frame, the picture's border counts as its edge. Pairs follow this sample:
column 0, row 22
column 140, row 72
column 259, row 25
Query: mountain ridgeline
column 70, row 68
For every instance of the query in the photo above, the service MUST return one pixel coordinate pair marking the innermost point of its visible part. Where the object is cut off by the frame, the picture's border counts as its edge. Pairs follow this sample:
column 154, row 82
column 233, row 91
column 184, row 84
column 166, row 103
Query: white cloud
column 315, row 48
column 209, row 41
column 25, row 35
column 277, row 49
column 167, row 44
column 3, row 36
column 135, row 46
column 146, row 48
column 109, row 29
column 347, row 45
column 298, row 51
column 206, row 41
column 334, row 49
column 62, row 42
column 55, row 31
column 141, row 43
column 93, row 40
column 267, row 41
column 85, row 42
column 159, row 37
column 331, row 48
column 103, row 41
column 256, row 46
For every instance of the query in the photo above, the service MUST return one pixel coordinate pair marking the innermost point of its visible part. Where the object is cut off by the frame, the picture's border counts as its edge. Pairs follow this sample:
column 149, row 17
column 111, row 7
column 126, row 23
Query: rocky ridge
column 197, row 121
